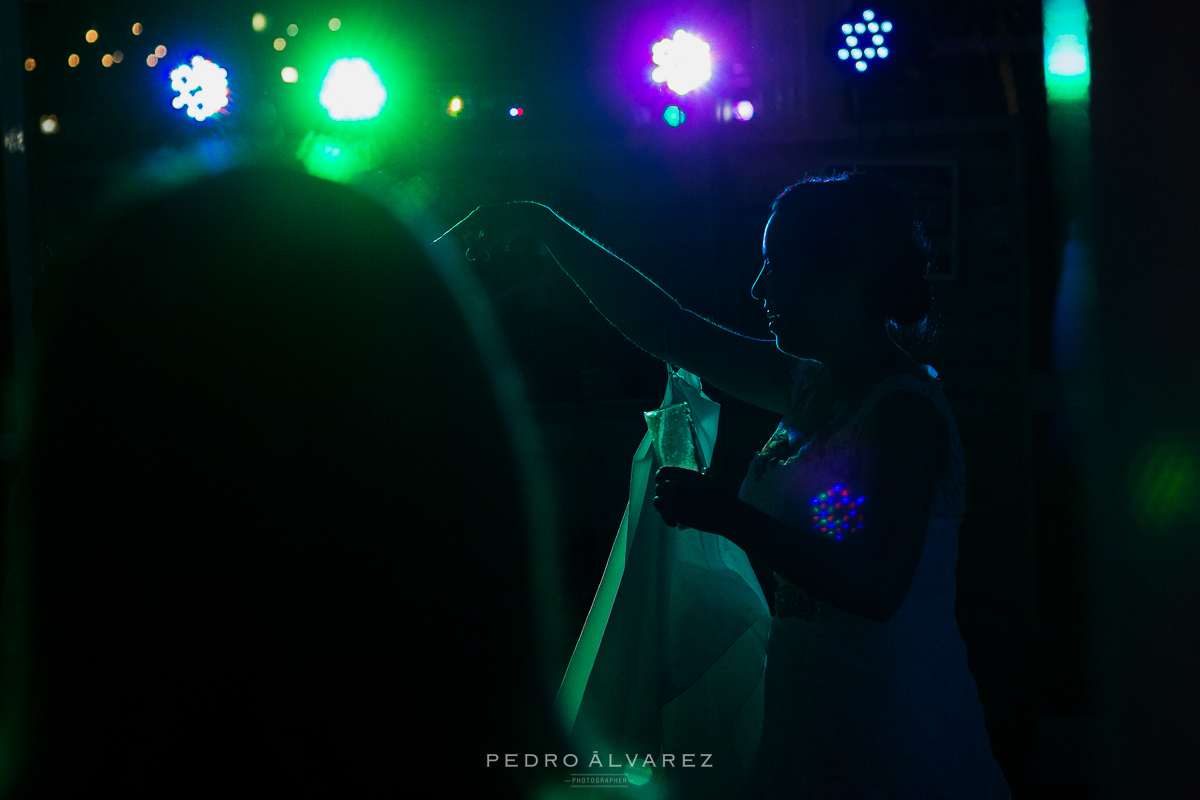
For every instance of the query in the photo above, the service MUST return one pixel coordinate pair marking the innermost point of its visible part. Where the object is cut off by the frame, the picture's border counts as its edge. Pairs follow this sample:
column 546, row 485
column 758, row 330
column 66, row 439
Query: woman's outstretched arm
column 753, row 370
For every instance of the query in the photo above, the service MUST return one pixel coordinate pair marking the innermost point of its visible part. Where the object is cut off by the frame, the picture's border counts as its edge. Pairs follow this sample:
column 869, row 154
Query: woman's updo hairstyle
column 859, row 222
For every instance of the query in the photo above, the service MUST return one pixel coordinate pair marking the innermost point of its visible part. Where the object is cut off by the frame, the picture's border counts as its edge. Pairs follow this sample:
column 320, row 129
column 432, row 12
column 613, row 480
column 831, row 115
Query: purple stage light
column 683, row 62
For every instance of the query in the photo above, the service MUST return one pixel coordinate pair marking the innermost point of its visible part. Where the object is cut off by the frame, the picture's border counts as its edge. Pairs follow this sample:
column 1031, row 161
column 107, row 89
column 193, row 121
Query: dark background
column 1079, row 621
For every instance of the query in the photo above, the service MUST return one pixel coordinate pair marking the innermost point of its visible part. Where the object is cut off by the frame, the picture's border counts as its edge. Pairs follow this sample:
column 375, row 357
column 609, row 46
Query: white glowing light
column 1068, row 56
column 203, row 87
column 861, row 66
column 886, row 27
column 843, row 54
column 852, row 40
column 847, row 28
column 684, row 62
column 352, row 90
column 868, row 15
column 744, row 110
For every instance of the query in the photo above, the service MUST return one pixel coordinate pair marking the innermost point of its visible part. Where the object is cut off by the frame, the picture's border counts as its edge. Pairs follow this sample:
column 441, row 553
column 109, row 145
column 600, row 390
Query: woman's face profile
column 807, row 304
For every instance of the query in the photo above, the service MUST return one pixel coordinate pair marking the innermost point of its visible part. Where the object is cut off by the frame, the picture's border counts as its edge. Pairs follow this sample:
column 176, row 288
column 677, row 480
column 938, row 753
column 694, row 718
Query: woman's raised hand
column 491, row 229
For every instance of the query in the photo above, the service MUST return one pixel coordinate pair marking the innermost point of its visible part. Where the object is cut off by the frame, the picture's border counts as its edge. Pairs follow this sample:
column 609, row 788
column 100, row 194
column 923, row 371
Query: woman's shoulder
column 912, row 390
column 912, row 377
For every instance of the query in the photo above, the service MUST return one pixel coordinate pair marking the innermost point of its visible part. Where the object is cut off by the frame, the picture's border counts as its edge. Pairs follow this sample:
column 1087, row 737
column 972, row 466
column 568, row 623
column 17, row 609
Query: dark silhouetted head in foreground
column 278, row 533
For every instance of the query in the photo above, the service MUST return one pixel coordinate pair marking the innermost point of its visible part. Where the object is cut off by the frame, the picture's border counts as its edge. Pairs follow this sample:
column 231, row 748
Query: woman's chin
column 782, row 345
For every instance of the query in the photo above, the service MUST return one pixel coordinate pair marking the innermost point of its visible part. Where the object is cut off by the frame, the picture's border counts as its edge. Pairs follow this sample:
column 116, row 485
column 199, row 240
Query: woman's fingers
column 662, row 501
column 490, row 229
column 664, row 510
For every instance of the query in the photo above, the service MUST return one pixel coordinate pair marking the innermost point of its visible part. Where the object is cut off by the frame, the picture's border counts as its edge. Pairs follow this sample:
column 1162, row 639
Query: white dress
column 670, row 660
column 855, row 708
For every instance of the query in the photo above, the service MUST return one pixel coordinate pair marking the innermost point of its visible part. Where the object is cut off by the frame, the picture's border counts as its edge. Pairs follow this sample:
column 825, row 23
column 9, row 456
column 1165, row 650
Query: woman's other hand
column 686, row 497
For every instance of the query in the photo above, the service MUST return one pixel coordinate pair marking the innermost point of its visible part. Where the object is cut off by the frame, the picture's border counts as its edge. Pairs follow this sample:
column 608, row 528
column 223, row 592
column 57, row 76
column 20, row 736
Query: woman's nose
column 756, row 288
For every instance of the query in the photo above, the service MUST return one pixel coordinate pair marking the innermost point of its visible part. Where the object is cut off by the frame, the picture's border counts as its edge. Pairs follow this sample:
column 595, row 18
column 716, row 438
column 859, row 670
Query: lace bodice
column 792, row 444
column 796, row 464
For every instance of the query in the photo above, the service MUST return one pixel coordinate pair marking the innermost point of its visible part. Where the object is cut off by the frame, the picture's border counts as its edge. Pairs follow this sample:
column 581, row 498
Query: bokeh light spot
column 48, row 123
column 91, row 36
column 293, row 29
column 30, row 64
column 638, row 776
column 118, row 56
column 279, row 43
column 160, row 51
column 337, row 159
column 107, row 60
column 137, row 29
column 335, row 24
column 455, row 106
column 674, row 116
column 1166, row 484
column 151, row 60
column 258, row 22
column 289, row 74
column 744, row 110
column 73, row 60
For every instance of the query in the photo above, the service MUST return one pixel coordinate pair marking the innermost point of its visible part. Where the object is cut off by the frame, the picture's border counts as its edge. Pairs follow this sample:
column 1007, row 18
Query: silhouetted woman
column 854, row 502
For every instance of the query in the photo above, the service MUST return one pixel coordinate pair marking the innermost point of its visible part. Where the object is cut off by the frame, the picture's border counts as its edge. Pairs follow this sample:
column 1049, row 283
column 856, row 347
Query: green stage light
column 352, row 90
column 1067, row 70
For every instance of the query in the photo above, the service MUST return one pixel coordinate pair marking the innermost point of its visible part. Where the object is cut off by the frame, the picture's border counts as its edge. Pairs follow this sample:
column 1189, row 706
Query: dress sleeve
column 950, row 494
